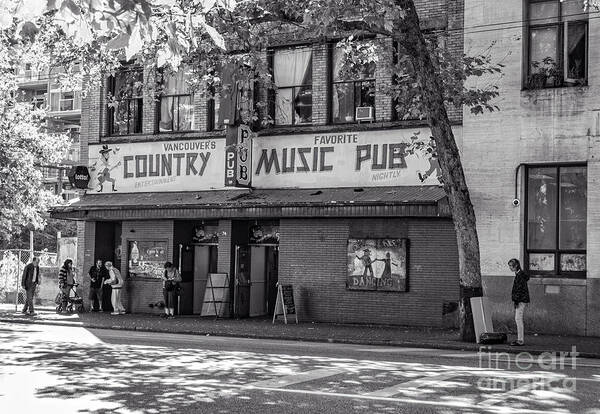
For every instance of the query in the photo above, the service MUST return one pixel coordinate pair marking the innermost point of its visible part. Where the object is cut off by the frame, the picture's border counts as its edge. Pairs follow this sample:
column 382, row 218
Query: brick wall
column 313, row 258
column 86, row 234
column 321, row 88
column 139, row 293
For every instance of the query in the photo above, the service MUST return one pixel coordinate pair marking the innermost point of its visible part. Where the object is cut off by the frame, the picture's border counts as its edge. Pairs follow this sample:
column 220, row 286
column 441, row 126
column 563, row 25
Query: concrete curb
column 403, row 344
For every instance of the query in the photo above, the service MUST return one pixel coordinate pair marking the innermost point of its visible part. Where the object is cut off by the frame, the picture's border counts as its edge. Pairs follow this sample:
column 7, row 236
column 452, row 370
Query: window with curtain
column 347, row 93
column 558, row 42
column 176, row 111
column 126, row 107
column 556, row 220
column 292, row 75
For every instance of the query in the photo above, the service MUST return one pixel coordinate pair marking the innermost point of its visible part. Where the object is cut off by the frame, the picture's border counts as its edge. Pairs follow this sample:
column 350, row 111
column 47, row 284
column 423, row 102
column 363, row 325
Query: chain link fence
column 12, row 263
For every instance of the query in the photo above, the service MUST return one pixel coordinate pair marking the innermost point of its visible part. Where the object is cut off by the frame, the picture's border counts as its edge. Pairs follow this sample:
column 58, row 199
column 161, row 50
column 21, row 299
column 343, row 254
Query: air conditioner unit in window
column 364, row 113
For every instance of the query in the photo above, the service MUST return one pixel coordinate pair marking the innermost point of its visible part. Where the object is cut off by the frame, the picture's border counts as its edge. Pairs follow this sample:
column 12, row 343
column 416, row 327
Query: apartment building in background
column 41, row 87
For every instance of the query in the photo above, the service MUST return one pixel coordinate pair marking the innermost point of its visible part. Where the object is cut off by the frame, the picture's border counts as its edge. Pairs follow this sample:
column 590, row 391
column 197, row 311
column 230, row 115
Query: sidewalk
column 587, row 347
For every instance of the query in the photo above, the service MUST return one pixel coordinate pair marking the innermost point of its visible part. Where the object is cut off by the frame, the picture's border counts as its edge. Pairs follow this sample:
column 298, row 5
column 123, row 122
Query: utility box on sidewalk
column 482, row 316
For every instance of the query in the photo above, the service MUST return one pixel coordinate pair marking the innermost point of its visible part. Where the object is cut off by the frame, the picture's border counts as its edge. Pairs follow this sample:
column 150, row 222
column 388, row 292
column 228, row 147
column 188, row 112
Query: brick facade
column 313, row 257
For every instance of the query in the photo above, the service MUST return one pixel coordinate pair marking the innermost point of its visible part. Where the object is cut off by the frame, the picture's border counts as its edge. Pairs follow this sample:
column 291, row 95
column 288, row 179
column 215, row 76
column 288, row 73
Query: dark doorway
column 195, row 253
column 107, row 247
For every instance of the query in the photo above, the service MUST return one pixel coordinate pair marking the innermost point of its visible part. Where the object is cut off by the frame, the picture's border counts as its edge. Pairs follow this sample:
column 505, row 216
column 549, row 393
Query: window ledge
column 555, row 90
column 558, row 280
column 163, row 136
column 308, row 129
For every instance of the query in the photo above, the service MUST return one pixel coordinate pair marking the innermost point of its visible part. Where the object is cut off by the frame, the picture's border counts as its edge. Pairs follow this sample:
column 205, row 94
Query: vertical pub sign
column 377, row 264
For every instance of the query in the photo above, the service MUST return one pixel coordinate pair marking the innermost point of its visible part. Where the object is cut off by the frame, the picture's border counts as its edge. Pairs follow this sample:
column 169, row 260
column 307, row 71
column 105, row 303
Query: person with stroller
column 66, row 281
column 116, row 281
column 171, row 279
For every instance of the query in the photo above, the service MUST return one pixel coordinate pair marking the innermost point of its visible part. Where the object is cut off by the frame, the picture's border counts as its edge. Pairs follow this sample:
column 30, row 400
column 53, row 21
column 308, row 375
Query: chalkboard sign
column 284, row 305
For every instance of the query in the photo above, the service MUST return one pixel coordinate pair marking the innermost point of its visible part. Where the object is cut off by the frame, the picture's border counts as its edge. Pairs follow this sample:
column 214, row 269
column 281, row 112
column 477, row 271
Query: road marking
column 437, row 403
column 512, row 393
column 429, row 381
column 280, row 382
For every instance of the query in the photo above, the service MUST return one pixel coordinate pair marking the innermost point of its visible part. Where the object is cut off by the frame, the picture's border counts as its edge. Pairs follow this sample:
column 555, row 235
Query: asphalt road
column 51, row 369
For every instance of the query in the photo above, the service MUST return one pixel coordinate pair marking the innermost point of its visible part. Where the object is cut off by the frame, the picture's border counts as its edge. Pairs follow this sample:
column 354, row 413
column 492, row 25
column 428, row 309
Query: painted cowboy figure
column 103, row 168
column 367, row 262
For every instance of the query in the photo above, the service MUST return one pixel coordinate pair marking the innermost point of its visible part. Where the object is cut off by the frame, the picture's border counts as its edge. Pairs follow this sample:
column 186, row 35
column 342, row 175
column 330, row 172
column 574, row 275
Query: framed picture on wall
column 146, row 258
column 377, row 264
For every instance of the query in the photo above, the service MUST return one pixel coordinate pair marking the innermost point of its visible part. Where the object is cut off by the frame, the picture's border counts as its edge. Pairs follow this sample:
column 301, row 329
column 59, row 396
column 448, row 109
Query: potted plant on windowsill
column 544, row 74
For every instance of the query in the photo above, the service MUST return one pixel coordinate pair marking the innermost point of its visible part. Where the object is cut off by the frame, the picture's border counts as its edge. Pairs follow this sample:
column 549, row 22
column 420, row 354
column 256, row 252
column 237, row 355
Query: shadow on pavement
column 91, row 375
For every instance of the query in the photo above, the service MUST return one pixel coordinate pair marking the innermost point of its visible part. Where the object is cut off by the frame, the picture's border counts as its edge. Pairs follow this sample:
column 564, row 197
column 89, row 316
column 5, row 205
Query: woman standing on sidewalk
column 171, row 279
column 520, row 298
column 66, row 280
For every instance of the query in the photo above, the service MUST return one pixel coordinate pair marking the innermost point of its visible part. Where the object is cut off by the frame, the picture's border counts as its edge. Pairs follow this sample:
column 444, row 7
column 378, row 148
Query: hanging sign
column 284, row 305
column 238, row 159
column 79, row 177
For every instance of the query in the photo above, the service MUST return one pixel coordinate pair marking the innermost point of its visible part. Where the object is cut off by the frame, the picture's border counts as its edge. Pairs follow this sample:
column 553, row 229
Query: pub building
column 356, row 221
column 339, row 198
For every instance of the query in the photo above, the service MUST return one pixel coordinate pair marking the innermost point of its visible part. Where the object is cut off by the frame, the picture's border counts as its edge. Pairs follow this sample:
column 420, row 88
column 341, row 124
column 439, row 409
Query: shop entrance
column 195, row 253
column 107, row 247
column 256, row 275
column 205, row 262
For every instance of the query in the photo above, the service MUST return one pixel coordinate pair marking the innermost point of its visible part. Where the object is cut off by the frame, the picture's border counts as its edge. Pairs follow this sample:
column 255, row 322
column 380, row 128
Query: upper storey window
column 350, row 92
column 176, row 103
column 292, row 75
column 558, row 43
column 126, row 109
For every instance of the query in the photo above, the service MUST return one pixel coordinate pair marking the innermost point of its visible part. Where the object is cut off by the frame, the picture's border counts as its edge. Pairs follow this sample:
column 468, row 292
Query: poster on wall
column 377, row 264
column 191, row 165
column 147, row 258
column 346, row 159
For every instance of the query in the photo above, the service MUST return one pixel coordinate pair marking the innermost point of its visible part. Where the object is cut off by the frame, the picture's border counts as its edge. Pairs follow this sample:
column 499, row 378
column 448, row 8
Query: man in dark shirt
column 29, row 281
column 520, row 298
column 98, row 275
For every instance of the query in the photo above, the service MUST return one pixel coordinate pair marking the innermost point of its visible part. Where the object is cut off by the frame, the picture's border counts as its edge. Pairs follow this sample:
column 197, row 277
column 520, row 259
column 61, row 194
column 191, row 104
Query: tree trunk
column 453, row 176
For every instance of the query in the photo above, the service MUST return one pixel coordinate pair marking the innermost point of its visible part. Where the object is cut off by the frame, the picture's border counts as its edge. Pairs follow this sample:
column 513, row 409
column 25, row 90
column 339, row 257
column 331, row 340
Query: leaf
column 119, row 42
column 228, row 4
column 6, row 19
column 30, row 9
column 135, row 42
column 216, row 36
column 208, row 4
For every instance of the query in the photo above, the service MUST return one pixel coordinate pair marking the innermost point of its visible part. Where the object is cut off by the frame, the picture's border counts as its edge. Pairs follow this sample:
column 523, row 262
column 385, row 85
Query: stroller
column 74, row 302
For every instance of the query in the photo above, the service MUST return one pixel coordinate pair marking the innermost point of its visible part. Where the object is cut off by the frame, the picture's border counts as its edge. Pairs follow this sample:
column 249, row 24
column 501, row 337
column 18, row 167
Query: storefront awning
column 416, row 201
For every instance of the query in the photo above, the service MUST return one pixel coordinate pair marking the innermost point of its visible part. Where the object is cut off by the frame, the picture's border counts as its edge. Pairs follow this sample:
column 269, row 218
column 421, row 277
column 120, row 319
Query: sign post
column 284, row 305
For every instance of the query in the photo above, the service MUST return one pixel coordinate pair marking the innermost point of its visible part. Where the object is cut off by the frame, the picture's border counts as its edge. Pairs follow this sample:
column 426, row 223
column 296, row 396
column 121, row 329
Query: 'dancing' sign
column 157, row 166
